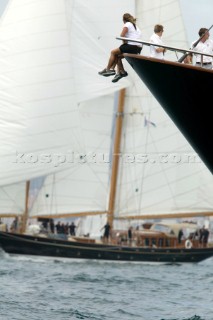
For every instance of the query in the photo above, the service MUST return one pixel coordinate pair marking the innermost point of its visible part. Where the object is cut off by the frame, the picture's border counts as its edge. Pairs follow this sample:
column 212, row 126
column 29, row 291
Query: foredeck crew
column 130, row 30
column 157, row 52
column 205, row 45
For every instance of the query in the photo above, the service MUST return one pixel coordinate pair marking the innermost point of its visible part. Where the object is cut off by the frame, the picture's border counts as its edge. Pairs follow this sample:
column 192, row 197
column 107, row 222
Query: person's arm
column 157, row 49
column 196, row 48
column 160, row 50
column 188, row 59
column 123, row 33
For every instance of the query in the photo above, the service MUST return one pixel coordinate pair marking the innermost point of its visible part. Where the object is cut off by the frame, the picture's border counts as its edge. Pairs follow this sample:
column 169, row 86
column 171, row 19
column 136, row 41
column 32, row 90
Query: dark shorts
column 129, row 48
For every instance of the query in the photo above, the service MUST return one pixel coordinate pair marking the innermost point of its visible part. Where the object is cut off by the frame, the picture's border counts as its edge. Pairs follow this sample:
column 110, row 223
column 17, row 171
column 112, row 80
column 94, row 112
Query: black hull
column 184, row 91
column 37, row 246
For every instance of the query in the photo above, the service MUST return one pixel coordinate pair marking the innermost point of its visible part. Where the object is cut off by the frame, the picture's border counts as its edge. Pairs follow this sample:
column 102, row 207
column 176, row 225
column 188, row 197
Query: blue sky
column 197, row 14
column 2, row 5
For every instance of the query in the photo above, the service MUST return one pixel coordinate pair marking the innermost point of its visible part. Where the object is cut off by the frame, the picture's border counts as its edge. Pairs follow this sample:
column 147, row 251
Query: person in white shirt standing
column 130, row 30
column 155, row 51
column 205, row 45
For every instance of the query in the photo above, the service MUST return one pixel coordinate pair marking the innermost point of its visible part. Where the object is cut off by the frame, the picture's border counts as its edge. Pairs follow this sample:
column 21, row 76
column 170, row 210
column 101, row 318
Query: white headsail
column 50, row 53
column 54, row 103
column 52, row 113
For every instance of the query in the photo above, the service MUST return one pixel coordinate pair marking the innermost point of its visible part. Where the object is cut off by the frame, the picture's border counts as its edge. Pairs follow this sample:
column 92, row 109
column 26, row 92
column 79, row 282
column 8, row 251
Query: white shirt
column 132, row 33
column 153, row 53
column 205, row 47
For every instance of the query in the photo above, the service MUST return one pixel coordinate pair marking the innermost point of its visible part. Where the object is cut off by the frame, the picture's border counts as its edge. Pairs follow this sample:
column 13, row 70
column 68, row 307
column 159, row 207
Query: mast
column 116, row 156
column 25, row 215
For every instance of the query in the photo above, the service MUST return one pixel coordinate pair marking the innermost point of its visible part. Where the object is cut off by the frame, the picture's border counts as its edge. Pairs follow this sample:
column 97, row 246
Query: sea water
column 37, row 288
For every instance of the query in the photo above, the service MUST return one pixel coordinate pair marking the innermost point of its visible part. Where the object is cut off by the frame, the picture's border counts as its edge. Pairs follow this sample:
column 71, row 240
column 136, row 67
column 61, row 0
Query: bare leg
column 114, row 65
column 113, row 58
column 120, row 70
column 120, row 67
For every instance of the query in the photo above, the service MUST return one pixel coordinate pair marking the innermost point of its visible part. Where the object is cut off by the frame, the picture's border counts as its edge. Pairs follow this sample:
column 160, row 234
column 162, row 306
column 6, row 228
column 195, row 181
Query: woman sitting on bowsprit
column 130, row 30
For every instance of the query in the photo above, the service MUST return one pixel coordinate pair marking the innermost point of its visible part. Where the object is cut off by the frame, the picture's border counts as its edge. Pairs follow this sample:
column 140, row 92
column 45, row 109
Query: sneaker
column 107, row 73
column 124, row 74
column 119, row 76
column 101, row 72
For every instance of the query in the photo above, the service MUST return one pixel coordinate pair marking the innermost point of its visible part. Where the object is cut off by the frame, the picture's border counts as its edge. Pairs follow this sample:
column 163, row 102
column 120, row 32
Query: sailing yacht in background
column 58, row 120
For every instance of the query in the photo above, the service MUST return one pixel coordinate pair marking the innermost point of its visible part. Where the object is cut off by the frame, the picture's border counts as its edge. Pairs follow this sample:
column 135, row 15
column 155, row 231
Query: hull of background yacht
column 184, row 91
column 38, row 246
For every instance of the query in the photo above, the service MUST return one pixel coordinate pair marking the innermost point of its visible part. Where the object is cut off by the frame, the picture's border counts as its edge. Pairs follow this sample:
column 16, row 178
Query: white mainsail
column 55, row 103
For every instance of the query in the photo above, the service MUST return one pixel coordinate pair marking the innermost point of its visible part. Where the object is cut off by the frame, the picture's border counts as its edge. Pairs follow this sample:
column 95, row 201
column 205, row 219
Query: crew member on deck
column 180, row 235
column 106, row 232
column 206, row 46
column 130, row 30
column 52, row 226
column 14, row 226
column 157, row 52
column 130, row 235
column 205, row 237
column 72, row 228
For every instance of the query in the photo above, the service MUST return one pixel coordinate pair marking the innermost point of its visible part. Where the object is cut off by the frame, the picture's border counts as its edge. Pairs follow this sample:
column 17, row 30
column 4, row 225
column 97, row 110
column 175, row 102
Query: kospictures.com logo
column 58, row 159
